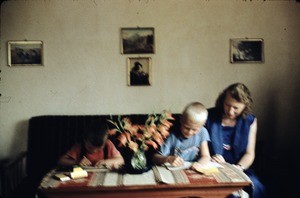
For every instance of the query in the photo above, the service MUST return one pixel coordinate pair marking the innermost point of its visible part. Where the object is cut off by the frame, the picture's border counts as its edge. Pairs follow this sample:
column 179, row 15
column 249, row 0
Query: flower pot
column 136, row 162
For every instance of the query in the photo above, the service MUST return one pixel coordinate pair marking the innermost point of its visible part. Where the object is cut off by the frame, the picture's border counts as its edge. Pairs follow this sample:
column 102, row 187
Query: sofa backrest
column 50, row 136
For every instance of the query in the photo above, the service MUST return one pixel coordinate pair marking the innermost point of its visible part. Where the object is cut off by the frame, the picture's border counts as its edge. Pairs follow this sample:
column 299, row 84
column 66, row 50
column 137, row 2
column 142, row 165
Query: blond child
column 190, row 143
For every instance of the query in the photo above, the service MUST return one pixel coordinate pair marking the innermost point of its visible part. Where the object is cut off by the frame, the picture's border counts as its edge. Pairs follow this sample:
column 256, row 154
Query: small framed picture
column 246, row 51
column 139, row 71
column 23, row 53
column 137, row 41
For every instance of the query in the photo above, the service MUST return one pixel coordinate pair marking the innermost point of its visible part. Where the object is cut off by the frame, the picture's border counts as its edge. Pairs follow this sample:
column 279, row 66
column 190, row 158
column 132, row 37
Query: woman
column 232, row 128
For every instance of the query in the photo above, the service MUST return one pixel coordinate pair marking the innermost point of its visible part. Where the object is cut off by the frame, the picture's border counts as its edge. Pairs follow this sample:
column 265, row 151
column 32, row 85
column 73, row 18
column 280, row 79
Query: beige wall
column 85, row 73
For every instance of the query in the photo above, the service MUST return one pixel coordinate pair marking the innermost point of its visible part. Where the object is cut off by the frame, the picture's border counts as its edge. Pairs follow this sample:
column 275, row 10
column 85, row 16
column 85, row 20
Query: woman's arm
column 248, row 158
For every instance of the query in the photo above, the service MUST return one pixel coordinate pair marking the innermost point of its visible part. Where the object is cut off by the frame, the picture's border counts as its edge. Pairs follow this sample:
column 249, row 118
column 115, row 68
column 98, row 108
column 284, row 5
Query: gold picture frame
column 139, row 71
column 25, row 53
column 247, row 50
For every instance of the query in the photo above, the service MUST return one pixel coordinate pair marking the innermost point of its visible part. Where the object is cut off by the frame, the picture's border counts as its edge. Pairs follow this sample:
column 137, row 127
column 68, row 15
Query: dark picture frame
column 139, row 71
column 137, row 41
column 25, row 53
column 247, row 50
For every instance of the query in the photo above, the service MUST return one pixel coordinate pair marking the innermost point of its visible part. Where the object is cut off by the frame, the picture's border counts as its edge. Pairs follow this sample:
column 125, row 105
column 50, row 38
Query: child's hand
column 101, row 163
column 196, row 165
column 110, row 164
column 175, row 160
column 85, row 162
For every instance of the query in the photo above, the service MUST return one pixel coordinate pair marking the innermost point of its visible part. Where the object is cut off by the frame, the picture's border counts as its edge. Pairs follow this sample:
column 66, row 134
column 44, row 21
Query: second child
column 190, row 143
column 96, row 150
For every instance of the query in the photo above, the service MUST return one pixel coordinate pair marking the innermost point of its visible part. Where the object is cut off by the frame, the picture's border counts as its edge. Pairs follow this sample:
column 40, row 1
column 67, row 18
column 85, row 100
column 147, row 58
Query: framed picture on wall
column 23, row 53
column 139, row 71
column 137, row 41
column 246, row 51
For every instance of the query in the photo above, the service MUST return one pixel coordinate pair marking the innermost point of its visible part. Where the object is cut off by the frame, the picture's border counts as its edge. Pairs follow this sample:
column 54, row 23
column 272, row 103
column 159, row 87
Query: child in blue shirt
column 190, row 143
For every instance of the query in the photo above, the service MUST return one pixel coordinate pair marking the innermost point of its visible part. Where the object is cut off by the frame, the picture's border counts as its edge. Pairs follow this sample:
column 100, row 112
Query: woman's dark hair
column 239, row 92
column 96, row 133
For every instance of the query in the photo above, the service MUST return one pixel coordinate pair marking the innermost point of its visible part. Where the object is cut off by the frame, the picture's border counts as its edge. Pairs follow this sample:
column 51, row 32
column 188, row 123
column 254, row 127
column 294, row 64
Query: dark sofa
column 50, row 136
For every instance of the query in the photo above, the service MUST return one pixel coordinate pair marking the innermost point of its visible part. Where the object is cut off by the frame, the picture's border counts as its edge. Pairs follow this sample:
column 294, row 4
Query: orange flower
column 147, row 134
column 168, row 115
column 124, row 138
column 135, row 137
column 112, row 131
column 133, row 146
column 139, row 136
column 151, row 143
column 163, row 130
column 167, row 123
column 151, row 128
column 158, row 138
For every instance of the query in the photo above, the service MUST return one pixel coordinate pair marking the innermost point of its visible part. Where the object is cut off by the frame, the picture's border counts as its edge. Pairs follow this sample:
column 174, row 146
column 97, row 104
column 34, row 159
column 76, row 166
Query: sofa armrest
column 13, row 172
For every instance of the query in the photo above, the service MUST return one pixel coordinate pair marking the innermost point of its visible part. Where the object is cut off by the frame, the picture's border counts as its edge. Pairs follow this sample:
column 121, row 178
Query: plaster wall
column 85, row 73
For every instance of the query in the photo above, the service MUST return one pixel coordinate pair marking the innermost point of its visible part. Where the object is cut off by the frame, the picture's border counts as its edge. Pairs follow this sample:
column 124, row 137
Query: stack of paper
column 78, row 172
column 62, row 177
column 207, row 169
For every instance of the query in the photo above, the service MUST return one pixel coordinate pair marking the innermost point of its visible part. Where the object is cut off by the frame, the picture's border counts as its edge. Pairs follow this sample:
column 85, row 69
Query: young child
column 96, row 150
column 190, row 144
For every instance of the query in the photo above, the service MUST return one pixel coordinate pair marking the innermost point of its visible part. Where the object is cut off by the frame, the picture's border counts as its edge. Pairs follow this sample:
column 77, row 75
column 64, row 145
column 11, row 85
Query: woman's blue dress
column 231, row 143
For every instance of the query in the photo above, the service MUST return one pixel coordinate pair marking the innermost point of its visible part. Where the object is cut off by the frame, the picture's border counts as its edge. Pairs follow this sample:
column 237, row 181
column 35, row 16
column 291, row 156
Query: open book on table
column 209, row 168
column 95, row 168
column 186, row 165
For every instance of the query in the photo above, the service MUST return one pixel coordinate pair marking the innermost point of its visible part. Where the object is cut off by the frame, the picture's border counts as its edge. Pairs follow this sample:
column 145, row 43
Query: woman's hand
column 218, row 158
column 240, row 167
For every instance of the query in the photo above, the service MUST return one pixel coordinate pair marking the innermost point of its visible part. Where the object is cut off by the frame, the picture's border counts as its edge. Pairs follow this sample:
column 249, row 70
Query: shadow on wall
column 271, row 123
column 19, row 142
column 282, row 148
column 270, row 142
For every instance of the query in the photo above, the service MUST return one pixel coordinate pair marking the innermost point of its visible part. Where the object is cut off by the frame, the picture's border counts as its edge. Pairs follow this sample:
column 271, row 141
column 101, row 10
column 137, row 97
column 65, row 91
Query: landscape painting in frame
column 23, row 53
column 137, row 41
column 246, row 51
column 139, row 71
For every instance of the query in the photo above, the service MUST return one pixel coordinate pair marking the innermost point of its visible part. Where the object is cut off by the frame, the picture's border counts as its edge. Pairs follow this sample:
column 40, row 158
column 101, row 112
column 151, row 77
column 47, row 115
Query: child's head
column 95, row 136
column 193, row 118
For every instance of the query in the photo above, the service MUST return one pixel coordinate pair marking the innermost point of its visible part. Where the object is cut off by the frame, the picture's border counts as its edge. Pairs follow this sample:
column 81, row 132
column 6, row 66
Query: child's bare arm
column 173, row 160
column 205, row 155
column 66, row 160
